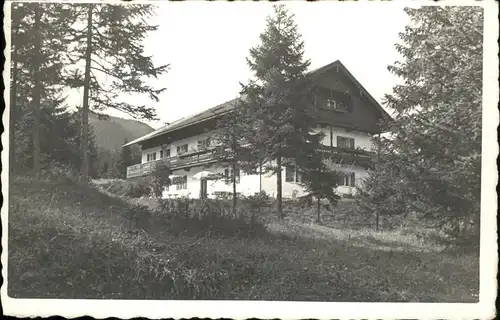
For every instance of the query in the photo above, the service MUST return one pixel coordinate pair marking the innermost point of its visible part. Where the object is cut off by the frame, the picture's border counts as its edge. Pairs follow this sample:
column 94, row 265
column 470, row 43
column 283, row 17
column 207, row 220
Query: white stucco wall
column 192, row 143
column 249, row 184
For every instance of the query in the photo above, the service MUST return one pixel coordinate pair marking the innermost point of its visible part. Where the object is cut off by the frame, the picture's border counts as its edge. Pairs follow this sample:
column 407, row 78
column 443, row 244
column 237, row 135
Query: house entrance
column 203, row 188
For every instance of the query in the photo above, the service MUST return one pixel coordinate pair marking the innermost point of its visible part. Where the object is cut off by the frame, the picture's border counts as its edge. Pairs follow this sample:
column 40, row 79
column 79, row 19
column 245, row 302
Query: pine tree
column 436, row 142
column 277, row 101
column 320, row 180
column 111, row 45
column 230, row 146
column 36, row 85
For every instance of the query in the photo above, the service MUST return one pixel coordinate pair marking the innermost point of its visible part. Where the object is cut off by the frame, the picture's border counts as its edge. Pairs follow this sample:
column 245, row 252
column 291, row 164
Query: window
column 343, row 142
column 334, row 101
column 151, row 156
column 349, row 180
column 292, row 174
column 228, row 175
column 181, row 183
column 182, row 149
column 161, row 154
column 166, row 153
column 202, row 144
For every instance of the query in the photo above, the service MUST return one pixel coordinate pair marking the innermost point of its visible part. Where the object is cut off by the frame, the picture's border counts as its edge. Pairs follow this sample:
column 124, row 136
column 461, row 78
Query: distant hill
column 111, row 134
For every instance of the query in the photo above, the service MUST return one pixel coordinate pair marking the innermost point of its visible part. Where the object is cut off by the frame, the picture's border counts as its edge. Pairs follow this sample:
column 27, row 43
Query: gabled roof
column 340, row 67
column 187, row 121
column 229, row 105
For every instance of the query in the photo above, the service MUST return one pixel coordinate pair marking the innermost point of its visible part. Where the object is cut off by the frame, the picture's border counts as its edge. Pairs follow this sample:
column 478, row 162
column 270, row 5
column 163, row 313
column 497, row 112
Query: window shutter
column 237, row 175
column 289, row 173
column 226, row 176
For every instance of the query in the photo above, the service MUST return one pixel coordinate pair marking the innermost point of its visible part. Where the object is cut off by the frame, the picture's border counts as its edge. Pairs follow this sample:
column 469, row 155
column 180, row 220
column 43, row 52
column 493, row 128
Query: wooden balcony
column 338, row 155
column 178, row 162
column 348, row 156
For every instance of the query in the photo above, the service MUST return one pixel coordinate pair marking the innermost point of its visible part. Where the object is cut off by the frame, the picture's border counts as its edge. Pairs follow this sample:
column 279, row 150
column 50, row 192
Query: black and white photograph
column 286, row 159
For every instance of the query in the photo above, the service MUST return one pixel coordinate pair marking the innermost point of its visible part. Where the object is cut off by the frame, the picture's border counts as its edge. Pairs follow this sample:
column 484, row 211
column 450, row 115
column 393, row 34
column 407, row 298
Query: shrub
column 137, row 216
column 138, row 188
column 208, row 216
column 159, row 179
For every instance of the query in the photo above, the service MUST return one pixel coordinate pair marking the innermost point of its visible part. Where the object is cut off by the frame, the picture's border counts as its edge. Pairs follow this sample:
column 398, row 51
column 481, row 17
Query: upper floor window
column 331, row 100
column 344, row 142
column 349, row 180
column 182, row 149
column 203, row 144
column 165, row 153
column 151, row 156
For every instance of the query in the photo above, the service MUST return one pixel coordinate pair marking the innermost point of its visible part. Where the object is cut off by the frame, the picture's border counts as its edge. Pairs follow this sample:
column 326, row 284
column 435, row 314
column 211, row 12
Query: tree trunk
column 260, row 182
column 85, row 106
column 377, row 220
column 319, row 210
column 279, row 189
column 13, row 115
column 234, row 189
column 37, row 93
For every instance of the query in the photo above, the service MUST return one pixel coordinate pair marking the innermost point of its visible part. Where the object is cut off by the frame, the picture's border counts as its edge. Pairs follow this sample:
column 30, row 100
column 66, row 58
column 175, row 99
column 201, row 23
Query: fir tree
column 230, row 146
column 435, row 146
column 41, row 127
column 36, row 70
column 277, row 101
column 320, row 181
column 111, row 45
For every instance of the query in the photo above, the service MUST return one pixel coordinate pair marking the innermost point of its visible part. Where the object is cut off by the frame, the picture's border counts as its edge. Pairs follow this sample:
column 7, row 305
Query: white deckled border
column 485, row 309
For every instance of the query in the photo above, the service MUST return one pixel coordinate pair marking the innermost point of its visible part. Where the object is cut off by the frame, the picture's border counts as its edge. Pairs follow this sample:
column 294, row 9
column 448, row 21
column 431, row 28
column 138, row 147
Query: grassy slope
column 70, row 241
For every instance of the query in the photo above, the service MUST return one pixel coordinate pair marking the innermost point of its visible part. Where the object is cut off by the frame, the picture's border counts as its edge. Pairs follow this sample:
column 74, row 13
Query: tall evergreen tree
column 111, row 46
column 230, row 146
column 320, row 180
column 436, row 144
column 36, row 67
column 36, row 82
column 277, row 101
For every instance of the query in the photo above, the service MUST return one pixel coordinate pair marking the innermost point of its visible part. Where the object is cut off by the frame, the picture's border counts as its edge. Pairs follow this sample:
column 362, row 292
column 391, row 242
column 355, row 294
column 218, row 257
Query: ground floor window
column 228, row 175
column 181, row 183
column 292, row 174
column 349, row 180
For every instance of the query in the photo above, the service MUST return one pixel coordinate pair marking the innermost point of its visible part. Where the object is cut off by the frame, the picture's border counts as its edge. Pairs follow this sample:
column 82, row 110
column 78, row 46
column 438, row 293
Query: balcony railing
column 348, row 156
column 177, row 162
column 338, row 155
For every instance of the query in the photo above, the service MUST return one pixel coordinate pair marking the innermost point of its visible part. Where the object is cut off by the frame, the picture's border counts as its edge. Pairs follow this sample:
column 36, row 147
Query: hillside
column 111, row 134
column 68, row 240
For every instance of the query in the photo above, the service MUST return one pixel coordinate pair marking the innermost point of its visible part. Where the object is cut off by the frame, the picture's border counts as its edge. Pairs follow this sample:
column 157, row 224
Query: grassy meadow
column 68, row 240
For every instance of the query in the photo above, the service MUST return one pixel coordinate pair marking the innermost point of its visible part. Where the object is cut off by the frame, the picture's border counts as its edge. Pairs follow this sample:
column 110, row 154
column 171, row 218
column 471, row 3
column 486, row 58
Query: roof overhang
column 226, row 107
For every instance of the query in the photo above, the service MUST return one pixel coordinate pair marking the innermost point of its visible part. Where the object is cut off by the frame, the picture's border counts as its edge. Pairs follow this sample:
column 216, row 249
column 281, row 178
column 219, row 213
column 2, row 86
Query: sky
column 206, row 45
